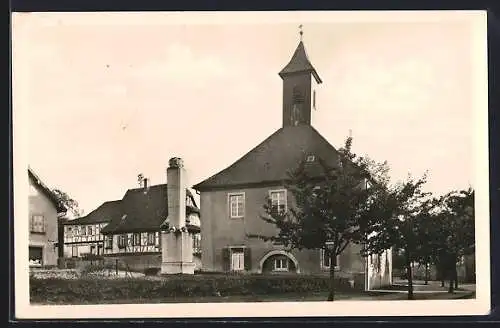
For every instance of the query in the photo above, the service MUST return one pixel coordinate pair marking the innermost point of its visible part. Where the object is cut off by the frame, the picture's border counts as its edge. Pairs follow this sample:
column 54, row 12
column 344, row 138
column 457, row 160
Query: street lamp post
column 330, row 246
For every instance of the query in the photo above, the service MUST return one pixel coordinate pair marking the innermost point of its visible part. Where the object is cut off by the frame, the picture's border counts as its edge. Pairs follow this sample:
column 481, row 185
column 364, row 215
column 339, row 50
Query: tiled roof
column 300, row 63
column 142, row 210
column 104, row 213
column 274, row 157
column 46, row 190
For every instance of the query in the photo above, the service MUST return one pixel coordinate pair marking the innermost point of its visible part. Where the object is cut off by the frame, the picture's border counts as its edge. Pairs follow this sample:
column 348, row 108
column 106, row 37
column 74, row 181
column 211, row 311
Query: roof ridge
column 239, row 160
column 61, row 208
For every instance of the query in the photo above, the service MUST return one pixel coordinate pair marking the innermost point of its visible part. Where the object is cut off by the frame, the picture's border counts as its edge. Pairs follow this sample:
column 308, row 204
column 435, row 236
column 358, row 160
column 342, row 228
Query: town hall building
column 231, row 201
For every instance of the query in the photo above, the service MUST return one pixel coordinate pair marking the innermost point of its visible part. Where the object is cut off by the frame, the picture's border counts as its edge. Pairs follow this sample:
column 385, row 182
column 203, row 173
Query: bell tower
column 299, row 93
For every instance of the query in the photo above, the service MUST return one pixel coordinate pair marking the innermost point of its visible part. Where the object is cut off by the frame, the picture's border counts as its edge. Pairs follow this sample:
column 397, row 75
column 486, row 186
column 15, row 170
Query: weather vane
column 300, row 31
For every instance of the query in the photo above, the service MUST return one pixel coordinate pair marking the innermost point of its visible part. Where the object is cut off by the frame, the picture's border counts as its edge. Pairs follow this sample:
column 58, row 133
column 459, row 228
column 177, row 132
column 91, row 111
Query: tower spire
column 301, row 32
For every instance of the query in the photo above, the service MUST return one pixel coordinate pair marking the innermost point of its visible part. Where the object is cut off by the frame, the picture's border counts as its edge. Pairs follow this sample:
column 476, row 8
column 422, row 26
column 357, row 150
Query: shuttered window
column 236, row 259
column 37, row 224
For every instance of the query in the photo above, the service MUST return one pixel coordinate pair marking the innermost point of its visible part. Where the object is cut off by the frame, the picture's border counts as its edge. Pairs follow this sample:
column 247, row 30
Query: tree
column 456, row 221
column 332, row 209
column 68, row 202
column 408, row 206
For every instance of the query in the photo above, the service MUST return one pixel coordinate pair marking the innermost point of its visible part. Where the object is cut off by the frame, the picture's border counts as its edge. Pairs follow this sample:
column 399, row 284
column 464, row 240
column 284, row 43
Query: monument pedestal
column 177, row 253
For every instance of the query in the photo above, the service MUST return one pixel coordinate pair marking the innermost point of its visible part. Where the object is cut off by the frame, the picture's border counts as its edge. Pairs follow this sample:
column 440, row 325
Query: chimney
column 145, row 181
column 176, row 192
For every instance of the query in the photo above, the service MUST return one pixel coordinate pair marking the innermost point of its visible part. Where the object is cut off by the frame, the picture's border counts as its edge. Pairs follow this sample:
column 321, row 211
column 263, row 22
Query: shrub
column 151, row 271
column 92, row 290
column 91, row 257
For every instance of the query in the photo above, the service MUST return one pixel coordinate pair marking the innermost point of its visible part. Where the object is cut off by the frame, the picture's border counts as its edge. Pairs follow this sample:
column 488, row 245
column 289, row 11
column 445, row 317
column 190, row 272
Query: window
column 281, row 264
column 278, row 201
column 137, row 239
column 92, row 249
column 310, row 158
column 108, row 242
column 314, row 99
column 151, row 238
column 298, row 97
column 296, row 114
column 122, row 241
column 37, row 224
column 90, row 230
column 74, row 251
column 236, row 205
column 237, row 261
column 36, row 256
column 97, row 230
column 325, row 260
column 197, row 243
column 83, row 230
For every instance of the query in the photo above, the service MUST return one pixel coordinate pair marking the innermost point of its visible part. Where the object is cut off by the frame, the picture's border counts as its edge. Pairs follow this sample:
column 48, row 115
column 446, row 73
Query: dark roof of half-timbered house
column 103, row 214
column 139, row 210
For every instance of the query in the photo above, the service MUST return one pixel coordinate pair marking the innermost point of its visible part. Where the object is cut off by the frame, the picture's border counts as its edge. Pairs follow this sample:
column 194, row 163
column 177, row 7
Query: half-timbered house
column 83, row 235
column 129, row 230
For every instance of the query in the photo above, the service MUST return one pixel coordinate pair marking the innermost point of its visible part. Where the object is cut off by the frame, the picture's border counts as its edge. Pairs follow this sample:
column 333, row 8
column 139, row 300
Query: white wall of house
column 83, row 239
column 141, row 242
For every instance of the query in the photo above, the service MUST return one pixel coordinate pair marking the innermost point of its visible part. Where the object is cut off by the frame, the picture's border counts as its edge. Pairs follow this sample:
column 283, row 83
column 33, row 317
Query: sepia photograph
column 250, row 164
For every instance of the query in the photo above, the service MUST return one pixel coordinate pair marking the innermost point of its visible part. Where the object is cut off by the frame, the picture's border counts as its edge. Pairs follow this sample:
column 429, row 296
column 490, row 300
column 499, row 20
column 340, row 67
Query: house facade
column 232, row 200
column 128, row 231
column 44, row 211
column 83, row 235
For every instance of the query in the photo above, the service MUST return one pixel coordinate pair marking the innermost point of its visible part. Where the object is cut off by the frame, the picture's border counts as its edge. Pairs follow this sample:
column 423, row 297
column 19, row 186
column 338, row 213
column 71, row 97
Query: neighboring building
column 128, row 230
column 83, row 235
column 232, row 200
column 44, row 210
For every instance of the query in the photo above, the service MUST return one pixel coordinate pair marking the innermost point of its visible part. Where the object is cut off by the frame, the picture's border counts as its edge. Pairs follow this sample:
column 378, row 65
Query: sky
column 105, row 98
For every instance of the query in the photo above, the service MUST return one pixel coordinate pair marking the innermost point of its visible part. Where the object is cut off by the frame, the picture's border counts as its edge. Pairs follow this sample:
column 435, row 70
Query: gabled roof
column 300, row 63
column 270, row 161
column 46, row 191
column 141, row 210
column 104, row 213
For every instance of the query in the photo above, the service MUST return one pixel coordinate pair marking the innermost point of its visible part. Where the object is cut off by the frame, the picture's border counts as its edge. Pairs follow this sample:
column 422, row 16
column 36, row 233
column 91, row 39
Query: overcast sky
column 107, row 98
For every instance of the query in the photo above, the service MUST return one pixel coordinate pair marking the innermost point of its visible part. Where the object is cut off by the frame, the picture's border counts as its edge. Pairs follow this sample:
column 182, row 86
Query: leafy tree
column 429, row 234
column 68, row 202
column 408, row 206
column 455, row 220
column 333, row 208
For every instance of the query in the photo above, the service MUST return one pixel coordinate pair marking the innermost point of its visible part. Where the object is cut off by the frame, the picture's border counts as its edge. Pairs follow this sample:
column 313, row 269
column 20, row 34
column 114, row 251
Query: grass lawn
column 288, row 297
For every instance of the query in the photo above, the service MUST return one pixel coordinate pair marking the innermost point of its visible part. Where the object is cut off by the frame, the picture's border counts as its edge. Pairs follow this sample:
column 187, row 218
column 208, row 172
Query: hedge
column 59, row 290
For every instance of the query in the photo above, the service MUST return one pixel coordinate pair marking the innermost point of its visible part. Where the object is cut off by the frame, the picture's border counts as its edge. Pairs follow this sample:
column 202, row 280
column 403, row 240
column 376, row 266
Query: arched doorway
column 278, row 261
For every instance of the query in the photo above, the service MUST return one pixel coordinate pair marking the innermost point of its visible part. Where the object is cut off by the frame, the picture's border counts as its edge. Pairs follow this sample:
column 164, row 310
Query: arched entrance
column 278, row 261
